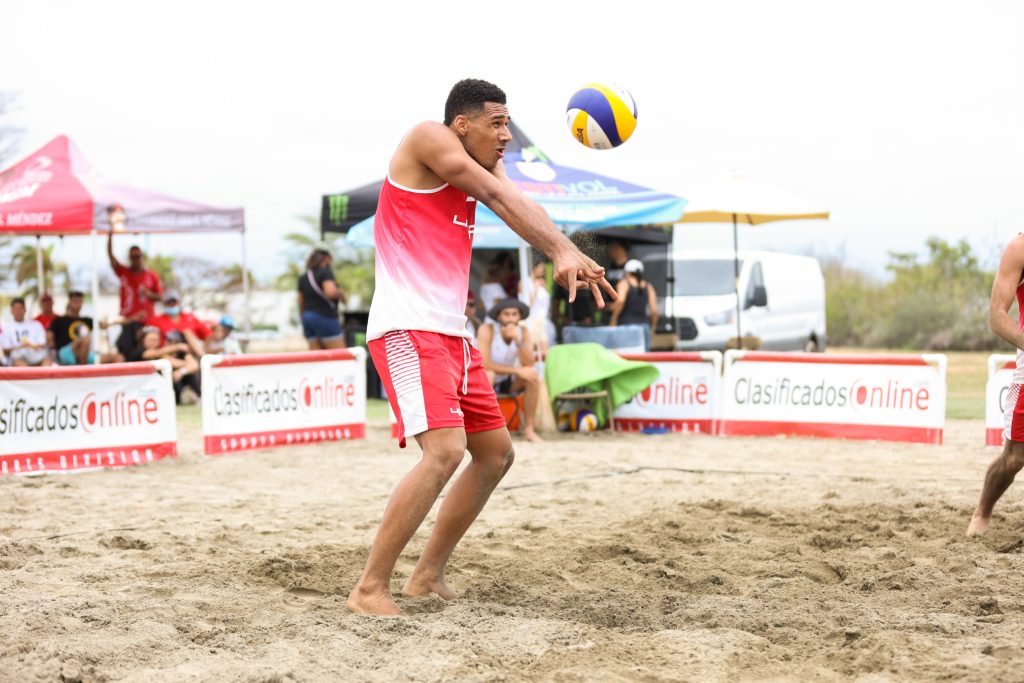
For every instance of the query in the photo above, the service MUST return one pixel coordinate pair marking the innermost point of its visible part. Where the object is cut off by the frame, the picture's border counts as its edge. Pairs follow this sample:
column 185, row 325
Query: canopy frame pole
column 736, row 281
column 246, row 310
column 40, row 273
column 670, row 294
column 94, row 335
column 525, row 269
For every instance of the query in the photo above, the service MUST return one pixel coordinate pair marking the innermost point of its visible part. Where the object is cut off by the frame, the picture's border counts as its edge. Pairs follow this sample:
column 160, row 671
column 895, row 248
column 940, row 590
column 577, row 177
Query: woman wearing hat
column 319, row 295
column 635, row 303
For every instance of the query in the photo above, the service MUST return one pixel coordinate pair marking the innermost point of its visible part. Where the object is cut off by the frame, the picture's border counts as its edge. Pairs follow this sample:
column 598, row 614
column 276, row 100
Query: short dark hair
column 468, row 97
column 17, row 300
column 74, row 293
column 135, row 247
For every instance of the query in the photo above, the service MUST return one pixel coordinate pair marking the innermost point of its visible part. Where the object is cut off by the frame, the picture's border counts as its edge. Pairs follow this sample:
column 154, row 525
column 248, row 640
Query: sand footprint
column 299, row 599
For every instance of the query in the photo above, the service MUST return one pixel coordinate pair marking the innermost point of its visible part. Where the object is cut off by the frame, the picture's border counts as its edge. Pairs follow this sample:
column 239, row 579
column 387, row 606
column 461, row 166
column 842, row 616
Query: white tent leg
column 40, row 274
column 247, row 324
column 94, row 336
column 524, row 265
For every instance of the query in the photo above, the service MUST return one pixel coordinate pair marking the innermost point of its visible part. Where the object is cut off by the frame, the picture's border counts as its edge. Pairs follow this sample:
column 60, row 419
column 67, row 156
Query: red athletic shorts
column 433, row 381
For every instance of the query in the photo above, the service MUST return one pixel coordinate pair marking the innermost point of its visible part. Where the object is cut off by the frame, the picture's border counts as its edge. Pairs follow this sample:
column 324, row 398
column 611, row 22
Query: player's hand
column 574, row 270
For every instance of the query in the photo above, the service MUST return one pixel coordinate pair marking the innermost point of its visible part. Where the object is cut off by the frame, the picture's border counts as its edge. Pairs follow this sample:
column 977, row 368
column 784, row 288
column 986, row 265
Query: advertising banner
column 64, row 419
column 997, row 390
column 886, row 397
column 279, row 399
column 684, row 398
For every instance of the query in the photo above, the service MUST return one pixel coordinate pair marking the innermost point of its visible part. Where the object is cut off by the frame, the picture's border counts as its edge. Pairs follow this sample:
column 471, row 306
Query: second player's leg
column 998, row 478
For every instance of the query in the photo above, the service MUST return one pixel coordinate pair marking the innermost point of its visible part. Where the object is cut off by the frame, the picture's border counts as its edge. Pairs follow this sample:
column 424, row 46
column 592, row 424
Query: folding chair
column 603, row 394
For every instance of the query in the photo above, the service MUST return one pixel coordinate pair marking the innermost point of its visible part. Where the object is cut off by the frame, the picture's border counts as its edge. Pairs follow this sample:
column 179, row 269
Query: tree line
column 934, row 302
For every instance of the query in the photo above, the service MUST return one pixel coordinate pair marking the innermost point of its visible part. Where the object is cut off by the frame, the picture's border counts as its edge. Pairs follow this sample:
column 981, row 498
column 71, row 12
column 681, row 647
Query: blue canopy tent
column 574, row 199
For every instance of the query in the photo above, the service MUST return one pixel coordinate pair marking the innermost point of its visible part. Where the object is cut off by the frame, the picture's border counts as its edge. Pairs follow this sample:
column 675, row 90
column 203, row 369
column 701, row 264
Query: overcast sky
column 903, row 118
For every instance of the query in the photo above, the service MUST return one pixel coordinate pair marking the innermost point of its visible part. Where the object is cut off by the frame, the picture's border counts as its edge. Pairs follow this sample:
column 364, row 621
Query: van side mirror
column 758, row 298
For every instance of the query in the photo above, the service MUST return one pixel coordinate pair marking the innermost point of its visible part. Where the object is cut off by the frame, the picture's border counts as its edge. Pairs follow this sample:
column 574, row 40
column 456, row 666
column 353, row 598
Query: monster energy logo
column 338, row 207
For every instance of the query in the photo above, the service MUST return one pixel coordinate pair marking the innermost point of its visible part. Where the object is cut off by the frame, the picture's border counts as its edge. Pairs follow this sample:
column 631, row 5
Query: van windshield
column 705, row 277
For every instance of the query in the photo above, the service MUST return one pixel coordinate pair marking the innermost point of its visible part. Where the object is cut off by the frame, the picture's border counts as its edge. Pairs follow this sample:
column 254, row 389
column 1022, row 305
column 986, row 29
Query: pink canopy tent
column 55, row 191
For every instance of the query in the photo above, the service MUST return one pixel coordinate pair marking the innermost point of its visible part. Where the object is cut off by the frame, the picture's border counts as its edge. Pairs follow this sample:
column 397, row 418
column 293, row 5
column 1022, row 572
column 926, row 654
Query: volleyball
column 601, row 117
column 584, row 420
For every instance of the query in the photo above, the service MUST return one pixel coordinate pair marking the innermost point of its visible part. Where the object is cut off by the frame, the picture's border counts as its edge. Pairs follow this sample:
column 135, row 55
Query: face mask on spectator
column 172, row 310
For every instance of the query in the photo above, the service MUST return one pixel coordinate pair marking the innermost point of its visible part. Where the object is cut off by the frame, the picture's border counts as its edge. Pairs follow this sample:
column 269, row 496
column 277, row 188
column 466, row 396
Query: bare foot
column 530, row 435
column 373, row 603
column 978, row 525
column 419, row 585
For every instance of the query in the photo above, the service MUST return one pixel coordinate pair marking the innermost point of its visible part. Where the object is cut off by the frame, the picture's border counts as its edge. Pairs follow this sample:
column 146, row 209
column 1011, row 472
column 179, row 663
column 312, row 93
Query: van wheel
column 811, row 346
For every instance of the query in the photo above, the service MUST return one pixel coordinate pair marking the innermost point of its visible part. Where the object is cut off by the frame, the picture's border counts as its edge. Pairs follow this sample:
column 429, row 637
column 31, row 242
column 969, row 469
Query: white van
column 782, row 297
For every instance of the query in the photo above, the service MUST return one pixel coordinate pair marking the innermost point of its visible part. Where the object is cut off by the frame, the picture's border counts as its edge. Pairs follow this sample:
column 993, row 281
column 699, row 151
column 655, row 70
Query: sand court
column 615, row 557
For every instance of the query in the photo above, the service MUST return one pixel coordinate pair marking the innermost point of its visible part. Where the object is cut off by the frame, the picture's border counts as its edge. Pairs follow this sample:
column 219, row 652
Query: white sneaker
column 189, row 397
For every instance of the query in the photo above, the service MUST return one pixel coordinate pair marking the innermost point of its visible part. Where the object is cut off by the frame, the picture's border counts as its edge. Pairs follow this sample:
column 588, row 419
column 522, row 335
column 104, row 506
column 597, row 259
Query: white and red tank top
column 424, row 243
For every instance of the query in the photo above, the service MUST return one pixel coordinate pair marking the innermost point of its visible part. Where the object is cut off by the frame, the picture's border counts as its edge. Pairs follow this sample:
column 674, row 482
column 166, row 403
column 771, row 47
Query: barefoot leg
column 443, row 450
column 998, row 478
column 492, row 456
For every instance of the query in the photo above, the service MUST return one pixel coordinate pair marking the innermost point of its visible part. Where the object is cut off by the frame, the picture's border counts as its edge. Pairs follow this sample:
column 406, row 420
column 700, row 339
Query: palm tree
column 25, row 269
column 233, row 278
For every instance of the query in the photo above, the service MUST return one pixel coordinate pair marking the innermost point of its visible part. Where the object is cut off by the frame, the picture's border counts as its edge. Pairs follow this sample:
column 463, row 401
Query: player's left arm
column 438, row 148
column 578, row 269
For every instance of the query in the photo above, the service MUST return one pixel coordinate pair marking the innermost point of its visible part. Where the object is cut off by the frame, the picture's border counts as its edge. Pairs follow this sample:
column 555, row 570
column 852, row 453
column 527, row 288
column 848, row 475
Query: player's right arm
column 438, row 148
column 1004, row 288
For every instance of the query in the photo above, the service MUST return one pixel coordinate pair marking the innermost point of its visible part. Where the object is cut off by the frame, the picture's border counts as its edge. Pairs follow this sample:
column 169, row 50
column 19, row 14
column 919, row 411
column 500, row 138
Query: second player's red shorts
column 1013, row 415
column 433, row 381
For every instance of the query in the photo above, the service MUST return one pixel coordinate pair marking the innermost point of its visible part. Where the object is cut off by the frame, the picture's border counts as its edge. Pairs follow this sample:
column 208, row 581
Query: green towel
column 585, row 367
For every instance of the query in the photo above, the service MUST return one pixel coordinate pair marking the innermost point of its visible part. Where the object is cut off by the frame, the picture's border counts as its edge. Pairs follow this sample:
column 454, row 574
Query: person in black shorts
column 319, row 295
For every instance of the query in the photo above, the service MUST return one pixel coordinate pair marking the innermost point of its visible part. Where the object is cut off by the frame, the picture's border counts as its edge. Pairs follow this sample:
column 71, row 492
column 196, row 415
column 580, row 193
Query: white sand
column 606, row 557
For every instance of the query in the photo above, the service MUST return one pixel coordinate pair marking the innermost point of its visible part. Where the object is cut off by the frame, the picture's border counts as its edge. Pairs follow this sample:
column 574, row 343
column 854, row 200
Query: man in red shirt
column 177, row 325
column 140, row 287
column 46, row 306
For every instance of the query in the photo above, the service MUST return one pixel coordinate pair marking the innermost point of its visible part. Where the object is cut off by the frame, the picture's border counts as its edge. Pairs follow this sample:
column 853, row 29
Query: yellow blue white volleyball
column 584, row 420
column 600, row 116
